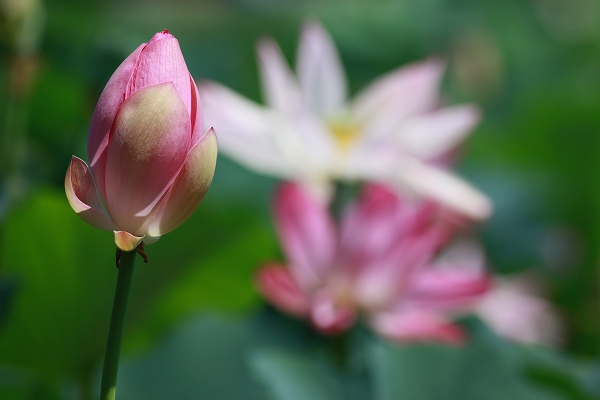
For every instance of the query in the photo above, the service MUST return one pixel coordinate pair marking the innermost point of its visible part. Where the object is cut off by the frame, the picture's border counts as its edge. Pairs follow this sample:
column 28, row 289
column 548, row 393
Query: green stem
column 108, row 387
column 340, row 350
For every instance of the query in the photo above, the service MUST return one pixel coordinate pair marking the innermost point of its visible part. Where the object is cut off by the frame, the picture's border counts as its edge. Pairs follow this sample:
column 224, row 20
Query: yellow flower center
column 344, row 133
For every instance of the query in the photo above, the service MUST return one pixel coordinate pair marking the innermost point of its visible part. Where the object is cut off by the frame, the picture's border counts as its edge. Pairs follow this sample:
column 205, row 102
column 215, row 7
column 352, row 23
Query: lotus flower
column 380, row 264
column 150, row 163
column 393, row 132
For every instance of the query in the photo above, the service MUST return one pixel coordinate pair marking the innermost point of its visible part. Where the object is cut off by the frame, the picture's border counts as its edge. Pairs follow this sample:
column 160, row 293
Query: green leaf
column 292, row 376
column 59, row 313
column 64, row 272
column 484, row 368
column 205, row 358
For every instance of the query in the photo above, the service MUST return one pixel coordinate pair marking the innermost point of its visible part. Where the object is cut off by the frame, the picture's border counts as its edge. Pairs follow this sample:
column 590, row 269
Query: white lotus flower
column 392, row 132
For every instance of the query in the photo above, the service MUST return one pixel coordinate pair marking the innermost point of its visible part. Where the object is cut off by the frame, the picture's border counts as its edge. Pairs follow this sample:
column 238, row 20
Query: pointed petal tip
column 160, row 36
column 125, row 241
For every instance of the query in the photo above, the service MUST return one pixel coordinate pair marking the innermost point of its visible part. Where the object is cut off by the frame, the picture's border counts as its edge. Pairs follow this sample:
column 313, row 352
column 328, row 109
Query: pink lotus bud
column 150, row 164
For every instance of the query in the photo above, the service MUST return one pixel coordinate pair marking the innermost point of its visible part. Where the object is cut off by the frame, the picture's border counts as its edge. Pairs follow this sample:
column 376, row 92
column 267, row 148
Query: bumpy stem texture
column 108, row 388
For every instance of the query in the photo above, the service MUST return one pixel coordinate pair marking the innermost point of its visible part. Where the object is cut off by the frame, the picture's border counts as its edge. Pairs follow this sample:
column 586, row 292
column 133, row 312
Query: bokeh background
column 196, row 328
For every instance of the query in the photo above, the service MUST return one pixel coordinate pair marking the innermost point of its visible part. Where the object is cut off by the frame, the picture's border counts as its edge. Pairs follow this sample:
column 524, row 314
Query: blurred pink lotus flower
column 393, row 132
column 150, row 163
column 378, row 264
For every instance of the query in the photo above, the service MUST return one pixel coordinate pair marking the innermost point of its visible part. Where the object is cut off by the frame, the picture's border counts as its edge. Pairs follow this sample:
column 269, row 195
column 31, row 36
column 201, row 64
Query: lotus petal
column 104, row 115
column 278, row 286
column 417, row 325
column 184, row 195
column 306, row 232
column 160, row 62
column 320, row 72
column 147, row 150
column 126, row 241
column 83, row 195
column 280, row 88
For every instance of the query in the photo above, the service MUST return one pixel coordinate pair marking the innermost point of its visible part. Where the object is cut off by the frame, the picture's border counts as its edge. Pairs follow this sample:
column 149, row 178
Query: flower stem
column 108, row 387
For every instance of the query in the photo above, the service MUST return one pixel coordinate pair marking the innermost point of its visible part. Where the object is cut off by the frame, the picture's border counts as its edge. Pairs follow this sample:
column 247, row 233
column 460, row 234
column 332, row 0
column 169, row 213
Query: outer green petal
column 126, row 241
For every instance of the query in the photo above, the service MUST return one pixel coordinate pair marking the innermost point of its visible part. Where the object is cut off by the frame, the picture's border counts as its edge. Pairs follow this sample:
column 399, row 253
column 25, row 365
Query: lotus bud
column 150, row 162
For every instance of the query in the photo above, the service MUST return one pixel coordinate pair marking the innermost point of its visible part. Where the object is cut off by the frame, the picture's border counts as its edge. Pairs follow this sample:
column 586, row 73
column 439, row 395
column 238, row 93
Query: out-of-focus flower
column 514, row 310
column 150, row 164
column 380, row 263
column 393, row 132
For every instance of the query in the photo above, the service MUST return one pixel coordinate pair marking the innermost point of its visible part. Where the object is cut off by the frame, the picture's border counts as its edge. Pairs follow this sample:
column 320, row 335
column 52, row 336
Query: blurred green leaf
column 206, row 358
column 484, row 368
column 60, row 310
column 296, row 376
column 65, row 275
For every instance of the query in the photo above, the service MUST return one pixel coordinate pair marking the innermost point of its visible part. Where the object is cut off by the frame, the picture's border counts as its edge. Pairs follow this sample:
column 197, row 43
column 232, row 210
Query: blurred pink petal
column 449, row 289
column 330, row 317
column 382, row 265
column 514, row 311
column 306, row 232
column 277, row 285
column 413, row 325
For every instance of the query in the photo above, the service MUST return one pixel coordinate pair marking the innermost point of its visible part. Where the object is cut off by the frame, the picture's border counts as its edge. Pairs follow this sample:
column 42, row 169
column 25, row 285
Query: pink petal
column 147, row 150
column 83, row 196
column 307, row 233
column 196, row 116
column 161, row 61
column 126, row 241
column 185, row 194
column 415, row 325
column 438, row 132
column 280, row 89
column 514, row 311
column 328, row 317
column 106, row 109
column 320, row 72
column 279, row 287
column 386, row 230
column 412, row 89
column 448, row 288
column 245, row 130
